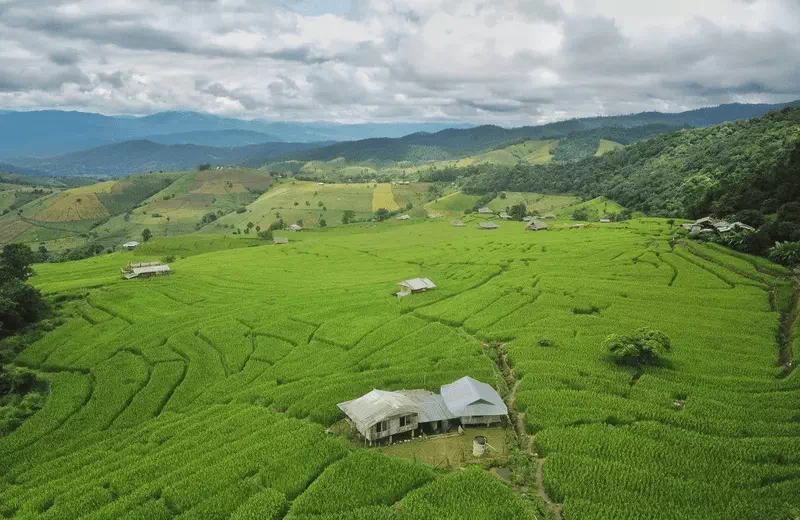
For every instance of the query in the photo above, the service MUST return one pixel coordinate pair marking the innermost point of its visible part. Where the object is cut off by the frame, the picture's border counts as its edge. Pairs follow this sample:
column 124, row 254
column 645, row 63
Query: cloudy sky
column 500, row 61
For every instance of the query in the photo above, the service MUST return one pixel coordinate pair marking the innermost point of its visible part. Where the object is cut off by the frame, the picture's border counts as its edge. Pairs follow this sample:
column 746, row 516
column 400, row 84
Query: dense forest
column 746, row 170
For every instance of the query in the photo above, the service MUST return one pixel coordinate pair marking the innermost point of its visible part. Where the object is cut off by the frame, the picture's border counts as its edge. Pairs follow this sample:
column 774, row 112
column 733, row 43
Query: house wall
column 394, row 428
column 482, row 419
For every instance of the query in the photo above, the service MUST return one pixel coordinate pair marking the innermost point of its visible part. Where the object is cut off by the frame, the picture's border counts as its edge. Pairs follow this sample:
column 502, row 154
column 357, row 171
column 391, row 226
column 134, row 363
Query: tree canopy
column 643, row 347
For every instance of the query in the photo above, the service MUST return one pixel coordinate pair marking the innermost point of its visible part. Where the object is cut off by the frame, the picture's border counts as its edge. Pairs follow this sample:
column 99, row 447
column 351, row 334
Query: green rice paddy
column 207, row 393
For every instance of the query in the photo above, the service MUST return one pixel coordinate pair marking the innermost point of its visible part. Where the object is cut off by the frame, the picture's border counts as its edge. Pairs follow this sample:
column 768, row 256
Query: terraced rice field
column 384, row 198
column 72, row 206
column 206, row 394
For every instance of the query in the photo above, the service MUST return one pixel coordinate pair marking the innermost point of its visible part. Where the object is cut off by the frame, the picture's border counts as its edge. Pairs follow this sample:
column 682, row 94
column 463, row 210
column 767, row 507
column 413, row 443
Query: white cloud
column 501, row 61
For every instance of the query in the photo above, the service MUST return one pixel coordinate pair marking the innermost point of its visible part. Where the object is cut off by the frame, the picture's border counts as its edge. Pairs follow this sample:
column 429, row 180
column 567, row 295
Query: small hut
column 295, row 227
column 485, row 211
column 415, row 285
column 458, row 223
column 505, row 216
column 403, row 217
column 549, row 216
column 474, row 402
column 605, row 221
column 144, row 270
column 130, row 246
column 280, row 240
column 537, row 225
column 488, row 225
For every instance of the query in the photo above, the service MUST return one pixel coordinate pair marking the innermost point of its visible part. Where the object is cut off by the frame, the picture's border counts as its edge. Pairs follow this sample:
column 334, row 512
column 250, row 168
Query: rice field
column 72, row 206
column 383, row 197
column 206, row 394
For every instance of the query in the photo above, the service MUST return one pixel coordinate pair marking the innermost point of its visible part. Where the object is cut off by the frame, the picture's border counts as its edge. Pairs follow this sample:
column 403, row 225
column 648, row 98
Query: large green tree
column 643, row 347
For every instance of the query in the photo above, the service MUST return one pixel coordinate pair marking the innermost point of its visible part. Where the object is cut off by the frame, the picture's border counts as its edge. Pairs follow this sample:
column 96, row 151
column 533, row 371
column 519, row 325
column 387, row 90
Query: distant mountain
column 22, row 170
column 218, row 138
column 139, row 156
column 458, row 143
column 50, row 133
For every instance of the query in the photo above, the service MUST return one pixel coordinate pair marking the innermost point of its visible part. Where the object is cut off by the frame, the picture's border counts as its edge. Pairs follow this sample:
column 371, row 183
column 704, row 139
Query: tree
column 348, row 216
column 16, row 261
column 518, row 211
column 146, row 234
column 203, row 167
column 382, row 214
column 266, row 234
column 323, row 223
column 250, row 225
column 642, row 348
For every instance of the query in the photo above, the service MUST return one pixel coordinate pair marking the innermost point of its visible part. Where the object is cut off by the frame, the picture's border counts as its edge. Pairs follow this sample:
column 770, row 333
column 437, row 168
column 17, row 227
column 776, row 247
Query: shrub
column 241, row 209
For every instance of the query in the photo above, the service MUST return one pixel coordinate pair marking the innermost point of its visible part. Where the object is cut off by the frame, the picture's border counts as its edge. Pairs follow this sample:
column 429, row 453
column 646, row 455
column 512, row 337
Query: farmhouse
column 505, row 216
column 144, row 270
column 415, row 285
column 710, row 225
column 485, row 211
column 130, row 246
column 537, row 225
column 380, row 414
column 403, row 217
column 457, row 223
column 549, row 216
column 295, row 227
column 488, row 225
column 280, row 240
column 605, row 221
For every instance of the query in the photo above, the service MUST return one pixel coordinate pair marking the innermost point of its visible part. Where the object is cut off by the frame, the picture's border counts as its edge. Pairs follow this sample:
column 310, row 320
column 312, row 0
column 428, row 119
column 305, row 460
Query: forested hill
column 459, row 143
column 721, row 170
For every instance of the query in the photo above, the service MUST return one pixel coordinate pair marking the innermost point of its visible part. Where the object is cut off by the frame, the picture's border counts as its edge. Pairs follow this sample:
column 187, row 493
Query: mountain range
column 50, row 133
column 182, row 140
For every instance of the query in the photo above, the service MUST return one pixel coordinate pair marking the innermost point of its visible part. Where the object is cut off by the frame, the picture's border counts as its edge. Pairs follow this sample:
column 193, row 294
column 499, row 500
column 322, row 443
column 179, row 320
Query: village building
column 458, row 223
column 434, row 215
column 485, row 211
column 295, row 227
column 280, row 240
column 144, row 270
column 403, row 217
column 537, row 225
column 130, row 246
column 527, row 219
column 415, row 285
column 605, row 221
column 710, row 225
column 381, row 414
column 488, row 225
column 549, row 216
column 505, row 216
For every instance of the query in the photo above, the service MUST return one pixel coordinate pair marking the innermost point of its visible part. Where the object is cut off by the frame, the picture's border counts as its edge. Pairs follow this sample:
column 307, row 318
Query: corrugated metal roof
column 430, row 407
column 150, row 269
column 537, row 225
column 488, row 225
column 418, row 284
column 132, row 243
column 280, row 240
column 468, row 397
column 485, row 210
column 377, row 406
column 403, row 217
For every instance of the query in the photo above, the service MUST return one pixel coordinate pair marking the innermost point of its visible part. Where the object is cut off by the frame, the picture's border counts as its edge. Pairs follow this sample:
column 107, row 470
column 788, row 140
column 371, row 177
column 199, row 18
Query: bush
column 241, row 209
column 785, row 253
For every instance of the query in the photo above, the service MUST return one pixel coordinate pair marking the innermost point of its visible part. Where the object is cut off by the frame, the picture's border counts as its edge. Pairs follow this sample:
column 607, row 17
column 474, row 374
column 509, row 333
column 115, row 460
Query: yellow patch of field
column 100, row 187
column 73, row 206
column 383, row 197
column 543, row 154
column 11, row 229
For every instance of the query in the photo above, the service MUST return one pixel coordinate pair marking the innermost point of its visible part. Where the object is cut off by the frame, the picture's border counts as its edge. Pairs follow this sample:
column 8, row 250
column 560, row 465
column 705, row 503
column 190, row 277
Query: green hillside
column 212, row 392
column 607, row 146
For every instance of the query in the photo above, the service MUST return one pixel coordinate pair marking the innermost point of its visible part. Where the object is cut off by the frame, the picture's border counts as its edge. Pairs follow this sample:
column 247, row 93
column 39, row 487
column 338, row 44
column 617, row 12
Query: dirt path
column 526, row 442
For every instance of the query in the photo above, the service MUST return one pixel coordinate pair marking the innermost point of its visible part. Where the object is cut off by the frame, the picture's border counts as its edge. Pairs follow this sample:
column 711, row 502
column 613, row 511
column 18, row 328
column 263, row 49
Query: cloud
column 496, row 61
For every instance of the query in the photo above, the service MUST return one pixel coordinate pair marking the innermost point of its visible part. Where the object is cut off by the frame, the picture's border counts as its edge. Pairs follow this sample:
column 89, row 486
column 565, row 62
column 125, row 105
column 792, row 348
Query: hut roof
column 430, row 407
column 468, row 397
column 280, row 240
column 376, row 406
column 132, row 243
column 527, row 219
column 505, row 216
column 418, row 284
column 537, row 225
column 296, row 227
column 488, row 225
column 136, row 271
column 486, row 211
column 605, row 220
column 457, row 223
column 403, row 217
column 549, row 216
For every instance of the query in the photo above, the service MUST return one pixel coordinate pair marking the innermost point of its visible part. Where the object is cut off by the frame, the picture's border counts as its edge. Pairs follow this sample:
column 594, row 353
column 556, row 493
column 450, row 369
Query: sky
column 506, row 62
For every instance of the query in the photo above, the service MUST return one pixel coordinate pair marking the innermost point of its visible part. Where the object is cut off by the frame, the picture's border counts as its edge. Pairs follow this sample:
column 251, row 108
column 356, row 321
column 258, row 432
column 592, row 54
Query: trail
column 526, row 442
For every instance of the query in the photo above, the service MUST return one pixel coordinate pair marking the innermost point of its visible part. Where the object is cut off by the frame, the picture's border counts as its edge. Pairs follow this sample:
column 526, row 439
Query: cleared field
column 454, row 202
column 600, row 205
column 73, row 206
column 384, row 198
column 607, row 146
column 206, row 394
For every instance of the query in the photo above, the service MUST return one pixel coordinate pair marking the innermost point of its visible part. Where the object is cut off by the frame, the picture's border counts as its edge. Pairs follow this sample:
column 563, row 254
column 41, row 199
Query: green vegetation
column 207, row 393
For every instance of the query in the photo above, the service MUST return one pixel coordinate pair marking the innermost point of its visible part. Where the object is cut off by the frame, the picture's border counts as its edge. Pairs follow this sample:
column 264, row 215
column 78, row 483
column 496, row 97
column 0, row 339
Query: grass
column 451, row 452
column 607, row 146
column 209, row 391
